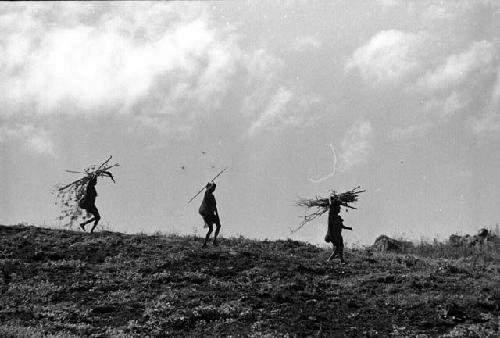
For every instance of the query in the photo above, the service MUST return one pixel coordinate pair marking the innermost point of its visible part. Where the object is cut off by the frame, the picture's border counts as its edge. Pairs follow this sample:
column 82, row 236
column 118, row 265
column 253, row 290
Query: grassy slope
column 62, row 283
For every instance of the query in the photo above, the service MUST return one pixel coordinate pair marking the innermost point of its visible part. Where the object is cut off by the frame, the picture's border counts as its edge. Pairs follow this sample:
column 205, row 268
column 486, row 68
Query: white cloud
column 115, row 61
column 262, row 65
column 389, row 56
column 458, row 67
column 263, row 69
column 463, row 80
column 453, row 103
column 275, row 112
column 269, row 104
column 34, row 139
column 442, row 11
column 495, row 96
column 356, row 146
column 388, row 3
column 447, row 105
column 303, row 43
column 457, row 10
column 490, row 123
column 40, row 143
column 402, row 133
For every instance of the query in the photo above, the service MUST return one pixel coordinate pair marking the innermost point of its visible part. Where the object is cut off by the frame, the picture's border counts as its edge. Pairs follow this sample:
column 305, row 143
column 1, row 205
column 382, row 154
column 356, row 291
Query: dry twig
column 321, row 205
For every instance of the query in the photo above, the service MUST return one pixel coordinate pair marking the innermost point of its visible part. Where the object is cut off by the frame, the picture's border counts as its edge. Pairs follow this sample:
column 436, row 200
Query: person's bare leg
column 96, row 219
column 217, row 229
column 341, row 253
column 210, row 229
column 342, row 260
column 83, row 224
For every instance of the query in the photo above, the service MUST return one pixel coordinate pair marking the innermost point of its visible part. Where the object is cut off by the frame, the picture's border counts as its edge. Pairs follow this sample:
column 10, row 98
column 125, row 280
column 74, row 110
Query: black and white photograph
column 250, row 168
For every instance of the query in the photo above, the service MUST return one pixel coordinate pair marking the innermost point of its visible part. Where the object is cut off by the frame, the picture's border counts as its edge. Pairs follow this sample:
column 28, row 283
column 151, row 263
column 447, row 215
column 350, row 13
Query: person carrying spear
column 208, row 209
column 209, row 213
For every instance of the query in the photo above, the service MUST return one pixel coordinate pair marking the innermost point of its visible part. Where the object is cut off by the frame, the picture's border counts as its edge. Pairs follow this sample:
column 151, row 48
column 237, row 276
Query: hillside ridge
column 66, row 283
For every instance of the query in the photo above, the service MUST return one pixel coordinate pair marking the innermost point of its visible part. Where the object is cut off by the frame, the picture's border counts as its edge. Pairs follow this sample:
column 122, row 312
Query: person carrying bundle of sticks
column 80, row 194
column 87, row 203
column 334, row 233
column 317, row 206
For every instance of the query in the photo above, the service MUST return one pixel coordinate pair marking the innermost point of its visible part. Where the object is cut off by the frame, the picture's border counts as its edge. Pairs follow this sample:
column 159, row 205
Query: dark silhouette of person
column 208, row 210
column 334, row 233
column 88, row 203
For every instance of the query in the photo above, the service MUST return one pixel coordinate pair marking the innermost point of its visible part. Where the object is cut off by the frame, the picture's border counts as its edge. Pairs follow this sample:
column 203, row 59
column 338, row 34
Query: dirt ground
column 61, row 283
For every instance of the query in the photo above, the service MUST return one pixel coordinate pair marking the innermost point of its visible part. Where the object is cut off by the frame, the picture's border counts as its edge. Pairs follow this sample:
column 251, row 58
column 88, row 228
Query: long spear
column 213, row 179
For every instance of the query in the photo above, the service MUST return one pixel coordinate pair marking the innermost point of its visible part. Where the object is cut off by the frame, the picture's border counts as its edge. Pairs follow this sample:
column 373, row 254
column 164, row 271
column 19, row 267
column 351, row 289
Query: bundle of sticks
column 68, row 195
column 320, row 205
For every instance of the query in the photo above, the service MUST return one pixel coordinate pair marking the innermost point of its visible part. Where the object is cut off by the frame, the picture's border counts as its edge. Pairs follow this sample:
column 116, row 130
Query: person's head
column 210, row 186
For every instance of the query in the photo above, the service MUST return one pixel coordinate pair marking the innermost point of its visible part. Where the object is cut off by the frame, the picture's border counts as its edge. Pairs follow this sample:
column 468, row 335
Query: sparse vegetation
column 62, row 283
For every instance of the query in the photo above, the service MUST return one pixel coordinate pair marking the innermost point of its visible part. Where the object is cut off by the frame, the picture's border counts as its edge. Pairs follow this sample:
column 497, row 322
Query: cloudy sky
column 295, row 97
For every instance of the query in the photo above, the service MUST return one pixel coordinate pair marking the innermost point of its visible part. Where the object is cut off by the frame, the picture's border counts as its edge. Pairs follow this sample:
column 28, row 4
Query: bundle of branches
column 320, row 205
column 69, row 195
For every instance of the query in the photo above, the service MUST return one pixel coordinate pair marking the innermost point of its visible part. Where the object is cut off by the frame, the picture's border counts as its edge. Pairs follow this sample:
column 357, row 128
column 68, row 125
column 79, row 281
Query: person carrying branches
column 209, row 213
column 81, row 194
column 334, row 233
column 87, row 203
column 317, row 206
